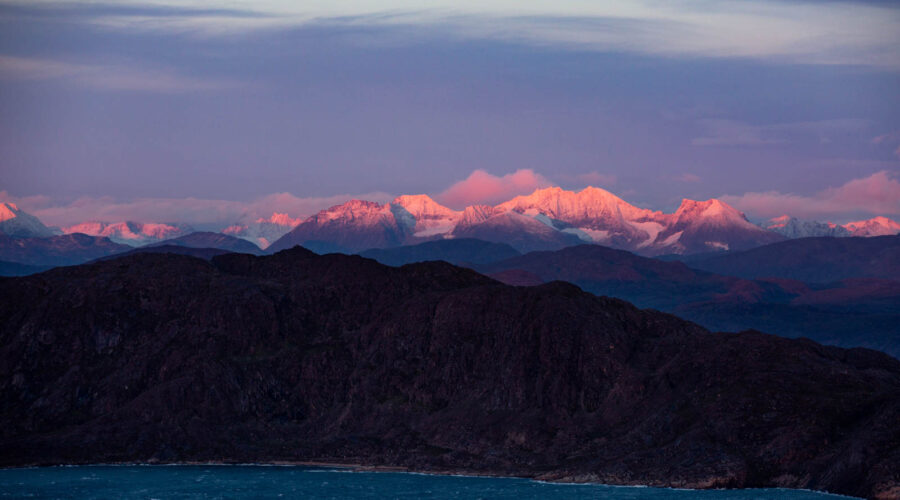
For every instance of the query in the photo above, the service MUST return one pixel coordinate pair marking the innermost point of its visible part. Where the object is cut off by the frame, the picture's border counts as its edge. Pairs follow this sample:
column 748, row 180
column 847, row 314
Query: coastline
column 364, row 468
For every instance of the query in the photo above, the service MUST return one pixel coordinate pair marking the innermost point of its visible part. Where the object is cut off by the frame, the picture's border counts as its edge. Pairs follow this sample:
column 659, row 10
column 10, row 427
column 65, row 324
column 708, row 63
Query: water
column 255, row 481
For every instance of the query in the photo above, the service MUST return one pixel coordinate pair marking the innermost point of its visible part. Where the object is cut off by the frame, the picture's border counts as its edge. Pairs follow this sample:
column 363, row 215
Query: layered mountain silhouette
column 465, row 251
column 295, row 356
column 129, row 232
column 17, row 269
column 845, row 312
column 263, row 231
column 218, row 241
column 547, row 219
column 795, row 228
column 813, row 260
column 62, row 250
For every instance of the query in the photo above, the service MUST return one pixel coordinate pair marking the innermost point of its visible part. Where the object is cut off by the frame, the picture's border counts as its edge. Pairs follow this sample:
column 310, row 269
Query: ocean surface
column 258, row 481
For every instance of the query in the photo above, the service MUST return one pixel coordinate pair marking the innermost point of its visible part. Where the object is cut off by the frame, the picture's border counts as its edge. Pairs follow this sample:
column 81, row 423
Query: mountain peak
column 422, row 204
column 569, row 206
column 17, row 223
column 876, row 226
column 130, row 232
column 422, row 216
column 279, row 219
column 8, row 211
column 712, row 208
column 351, row 210
column 779, row 221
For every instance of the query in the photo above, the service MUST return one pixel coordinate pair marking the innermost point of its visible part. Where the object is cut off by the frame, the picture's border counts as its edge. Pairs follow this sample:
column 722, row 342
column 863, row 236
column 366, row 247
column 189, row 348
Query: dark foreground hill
column 338, row 358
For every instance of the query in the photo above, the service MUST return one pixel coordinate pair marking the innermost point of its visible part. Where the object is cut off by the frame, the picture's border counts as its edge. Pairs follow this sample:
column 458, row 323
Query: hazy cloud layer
column 720, row 132
column 807, row 32
column 109, row 77
column 194, row 211
column 483, row 188
column 877, row 194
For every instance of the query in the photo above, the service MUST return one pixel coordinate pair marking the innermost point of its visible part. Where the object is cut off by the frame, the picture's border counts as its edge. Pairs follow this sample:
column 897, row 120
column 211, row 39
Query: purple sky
column 175, row 112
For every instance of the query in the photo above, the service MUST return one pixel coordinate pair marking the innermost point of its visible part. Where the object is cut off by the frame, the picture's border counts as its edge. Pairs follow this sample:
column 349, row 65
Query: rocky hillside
column 338, row 358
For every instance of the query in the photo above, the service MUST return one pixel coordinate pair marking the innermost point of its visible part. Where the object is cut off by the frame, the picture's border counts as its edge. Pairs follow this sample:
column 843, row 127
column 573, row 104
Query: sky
column 219, row 112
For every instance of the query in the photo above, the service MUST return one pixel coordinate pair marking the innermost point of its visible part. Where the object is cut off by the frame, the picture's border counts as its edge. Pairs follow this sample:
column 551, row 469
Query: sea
column 270, row 482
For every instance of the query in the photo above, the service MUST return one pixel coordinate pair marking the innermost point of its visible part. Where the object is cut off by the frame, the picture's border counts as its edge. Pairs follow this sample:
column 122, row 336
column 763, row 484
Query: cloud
column 890, row 138
column 196, row 211
column 107, row 77
column 688, row 177
column 787, row 31
column 877, row 194
column 719, row 132
column 481, row 187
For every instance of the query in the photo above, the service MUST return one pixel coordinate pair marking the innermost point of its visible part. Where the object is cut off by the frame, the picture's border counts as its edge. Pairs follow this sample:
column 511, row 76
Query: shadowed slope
column 338, row 358
column 851, row 313
column 814, row 260
column 455, row 251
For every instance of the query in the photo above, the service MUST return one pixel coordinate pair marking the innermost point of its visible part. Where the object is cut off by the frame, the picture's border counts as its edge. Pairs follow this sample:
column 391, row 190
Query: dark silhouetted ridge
column 336, row 358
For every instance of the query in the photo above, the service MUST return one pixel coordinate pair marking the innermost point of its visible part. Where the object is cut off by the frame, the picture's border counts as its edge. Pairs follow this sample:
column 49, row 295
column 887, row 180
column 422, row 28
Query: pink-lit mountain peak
column 128, row 231
column 570, row 206
column 776, row 222
column 8, row 211
column 422, row 217
column 17, row 223
column 474, row 214
column 876, row 226
column 711, row 211
column 280, row 219
column 353, row 212
column 422, row 205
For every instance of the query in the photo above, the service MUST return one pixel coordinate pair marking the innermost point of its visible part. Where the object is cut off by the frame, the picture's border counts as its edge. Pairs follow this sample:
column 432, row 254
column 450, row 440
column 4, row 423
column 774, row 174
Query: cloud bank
column 107, row 77
column 483, row 188
column 855, row 33
column 195, row 211
column 877, row 194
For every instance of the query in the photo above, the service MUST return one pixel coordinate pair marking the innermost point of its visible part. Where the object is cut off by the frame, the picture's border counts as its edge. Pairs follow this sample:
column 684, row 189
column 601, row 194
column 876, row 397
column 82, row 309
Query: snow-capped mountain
column 129, row 232
column 877, row 226
column 708, row 226
column 263, row 232
column 351, row 227
column 547, row 219
column 796, row 228
column 593, row 214
column 520, row 231
column 422, row 217
column 792, row 227
column 17, row 223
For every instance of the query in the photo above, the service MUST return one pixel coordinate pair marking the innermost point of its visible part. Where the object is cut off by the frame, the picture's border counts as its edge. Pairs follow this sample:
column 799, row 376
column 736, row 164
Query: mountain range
column 858, row 305
column 811, row 260
column 16, row 223
column 853, row 309
column 795, row 228
column 547, row 219
column 263, row 232
column 336, row 358
column 130, row 233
